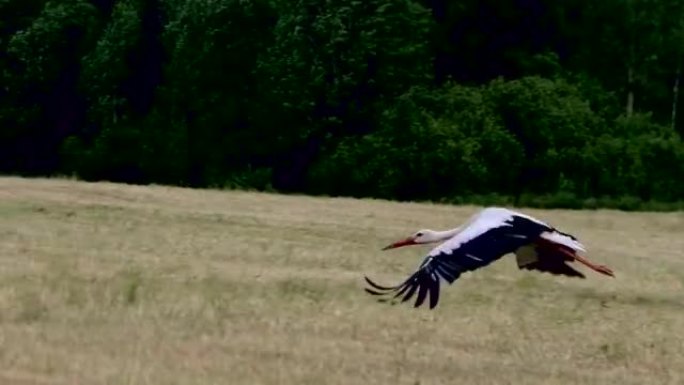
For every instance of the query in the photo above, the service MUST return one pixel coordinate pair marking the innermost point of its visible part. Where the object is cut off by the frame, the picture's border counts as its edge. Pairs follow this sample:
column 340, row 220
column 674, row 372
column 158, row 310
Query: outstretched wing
column 490, row 235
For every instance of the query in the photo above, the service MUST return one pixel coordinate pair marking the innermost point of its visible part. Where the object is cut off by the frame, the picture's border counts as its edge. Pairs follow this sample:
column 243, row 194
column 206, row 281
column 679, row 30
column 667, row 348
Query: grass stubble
column 111, row 284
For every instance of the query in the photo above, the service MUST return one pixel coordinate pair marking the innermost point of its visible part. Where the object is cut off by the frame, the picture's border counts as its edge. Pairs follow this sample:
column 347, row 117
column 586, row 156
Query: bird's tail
column 563, row 239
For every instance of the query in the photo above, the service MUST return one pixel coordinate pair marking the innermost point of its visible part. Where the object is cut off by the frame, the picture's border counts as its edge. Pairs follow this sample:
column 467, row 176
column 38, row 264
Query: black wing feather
column 409, row 294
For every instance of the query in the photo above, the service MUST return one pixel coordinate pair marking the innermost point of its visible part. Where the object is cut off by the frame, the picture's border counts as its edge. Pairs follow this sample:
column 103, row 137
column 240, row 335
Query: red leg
column 599, row 268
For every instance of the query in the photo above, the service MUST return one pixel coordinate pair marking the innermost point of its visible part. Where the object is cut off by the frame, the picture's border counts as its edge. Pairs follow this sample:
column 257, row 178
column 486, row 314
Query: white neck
column 446, row 234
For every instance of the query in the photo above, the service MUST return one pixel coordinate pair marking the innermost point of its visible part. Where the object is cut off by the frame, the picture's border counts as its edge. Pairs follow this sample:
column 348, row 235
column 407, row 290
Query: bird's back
column 497, row 214
column 494, row 229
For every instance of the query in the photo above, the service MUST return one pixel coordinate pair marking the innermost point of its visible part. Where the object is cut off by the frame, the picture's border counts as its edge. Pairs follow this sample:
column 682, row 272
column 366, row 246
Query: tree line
column 537, row 102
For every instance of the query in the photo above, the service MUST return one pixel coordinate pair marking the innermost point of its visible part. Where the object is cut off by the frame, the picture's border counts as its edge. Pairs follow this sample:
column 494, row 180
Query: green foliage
column 527, row 136
column 430, row 144
column 39, row 72
column 118, row 38
column 41, row 48
column 330, row 67
column 395, row 99
column 553, row 124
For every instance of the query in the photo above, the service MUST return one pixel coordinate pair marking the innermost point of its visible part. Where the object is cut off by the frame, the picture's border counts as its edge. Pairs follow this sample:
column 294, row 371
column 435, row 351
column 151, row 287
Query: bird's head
column 417, row 238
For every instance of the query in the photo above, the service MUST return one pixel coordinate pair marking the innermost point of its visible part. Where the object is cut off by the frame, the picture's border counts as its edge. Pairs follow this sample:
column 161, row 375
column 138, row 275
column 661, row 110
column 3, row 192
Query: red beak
column 403, row 242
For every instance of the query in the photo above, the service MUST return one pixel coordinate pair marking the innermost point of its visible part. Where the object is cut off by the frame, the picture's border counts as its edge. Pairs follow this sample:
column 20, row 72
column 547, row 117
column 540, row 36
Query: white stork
column 487, row 236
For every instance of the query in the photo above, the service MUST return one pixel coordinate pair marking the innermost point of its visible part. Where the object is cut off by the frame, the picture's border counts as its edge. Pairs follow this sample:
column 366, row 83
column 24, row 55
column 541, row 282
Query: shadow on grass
column 606, row 299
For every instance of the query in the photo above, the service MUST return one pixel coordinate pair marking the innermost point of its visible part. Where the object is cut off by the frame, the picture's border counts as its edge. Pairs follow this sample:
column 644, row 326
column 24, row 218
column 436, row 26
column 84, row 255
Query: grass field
column 113, row 284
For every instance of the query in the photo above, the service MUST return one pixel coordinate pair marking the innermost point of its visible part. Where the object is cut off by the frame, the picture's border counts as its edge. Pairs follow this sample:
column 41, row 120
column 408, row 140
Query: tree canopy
column 539, row 102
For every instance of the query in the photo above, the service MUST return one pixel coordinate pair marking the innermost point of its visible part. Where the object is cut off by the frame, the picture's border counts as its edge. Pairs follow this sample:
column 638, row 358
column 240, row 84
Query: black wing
column 484, row 241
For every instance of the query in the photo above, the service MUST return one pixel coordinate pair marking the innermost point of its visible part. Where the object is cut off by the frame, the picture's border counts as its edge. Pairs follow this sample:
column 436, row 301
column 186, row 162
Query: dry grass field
column 113, row 284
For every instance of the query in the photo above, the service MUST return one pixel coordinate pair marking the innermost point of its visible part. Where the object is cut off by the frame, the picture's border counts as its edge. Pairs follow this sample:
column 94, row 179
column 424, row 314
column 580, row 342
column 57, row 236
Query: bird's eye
column 419, row 235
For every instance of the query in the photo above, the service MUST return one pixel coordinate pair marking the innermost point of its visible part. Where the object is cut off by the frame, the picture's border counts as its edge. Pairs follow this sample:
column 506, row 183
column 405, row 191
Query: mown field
column 113, row 284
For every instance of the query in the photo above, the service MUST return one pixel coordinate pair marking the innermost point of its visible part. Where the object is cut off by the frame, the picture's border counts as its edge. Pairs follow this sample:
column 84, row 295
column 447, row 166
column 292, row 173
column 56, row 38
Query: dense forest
column 550, row 103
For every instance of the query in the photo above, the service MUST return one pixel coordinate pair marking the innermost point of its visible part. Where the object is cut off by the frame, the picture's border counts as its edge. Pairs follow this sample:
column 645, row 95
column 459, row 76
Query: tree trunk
column 675, row 95
column 630, row 91
column 631, row 57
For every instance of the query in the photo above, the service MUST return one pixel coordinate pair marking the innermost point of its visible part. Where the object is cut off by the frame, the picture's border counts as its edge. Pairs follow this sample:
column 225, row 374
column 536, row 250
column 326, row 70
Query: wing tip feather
column 421, row 286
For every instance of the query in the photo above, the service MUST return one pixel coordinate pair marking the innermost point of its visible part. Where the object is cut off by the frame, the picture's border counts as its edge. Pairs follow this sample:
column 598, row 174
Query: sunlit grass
column 113, row 284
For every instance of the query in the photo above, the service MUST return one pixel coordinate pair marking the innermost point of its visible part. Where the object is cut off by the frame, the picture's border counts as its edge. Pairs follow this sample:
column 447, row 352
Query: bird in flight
column 486, row 237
